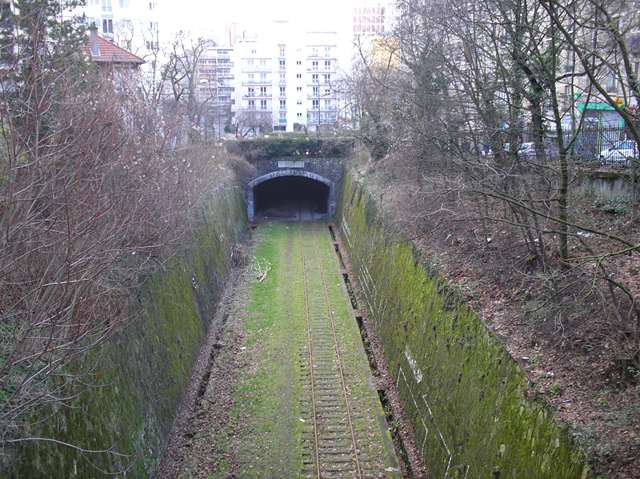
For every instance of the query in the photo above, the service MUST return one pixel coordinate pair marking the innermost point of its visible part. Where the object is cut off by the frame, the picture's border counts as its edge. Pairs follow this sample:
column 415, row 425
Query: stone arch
column 250, row 191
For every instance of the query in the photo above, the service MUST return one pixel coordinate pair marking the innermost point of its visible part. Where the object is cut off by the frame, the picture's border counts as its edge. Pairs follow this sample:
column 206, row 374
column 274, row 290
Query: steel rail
column 341, row 370
column 310, row 348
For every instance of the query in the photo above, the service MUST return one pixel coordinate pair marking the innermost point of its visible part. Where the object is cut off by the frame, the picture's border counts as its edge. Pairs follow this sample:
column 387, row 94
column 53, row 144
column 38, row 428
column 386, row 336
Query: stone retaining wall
column 465, row 396
column 139, row 376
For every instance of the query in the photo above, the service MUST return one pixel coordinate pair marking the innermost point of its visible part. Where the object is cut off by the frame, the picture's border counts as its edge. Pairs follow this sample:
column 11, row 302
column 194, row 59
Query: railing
column 595, row 143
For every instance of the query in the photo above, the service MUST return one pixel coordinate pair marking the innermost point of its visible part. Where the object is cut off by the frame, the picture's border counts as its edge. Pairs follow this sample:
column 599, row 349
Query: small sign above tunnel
column 290, row 164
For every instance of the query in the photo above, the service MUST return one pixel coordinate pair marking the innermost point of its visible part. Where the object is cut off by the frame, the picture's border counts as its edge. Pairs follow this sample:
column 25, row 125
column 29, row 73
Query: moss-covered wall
column 141, row 374
column 461, row 390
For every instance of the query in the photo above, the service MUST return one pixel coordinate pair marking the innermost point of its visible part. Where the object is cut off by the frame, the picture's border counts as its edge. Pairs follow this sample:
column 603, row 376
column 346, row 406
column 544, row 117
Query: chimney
column 93, row 41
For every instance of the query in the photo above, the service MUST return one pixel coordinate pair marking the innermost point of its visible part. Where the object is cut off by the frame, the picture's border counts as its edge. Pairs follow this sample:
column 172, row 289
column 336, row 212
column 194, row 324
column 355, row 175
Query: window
column 327, row 78
column 250, row 61
column 106, row 6
column 124, row 3
column 283, row 104
column 250, row 91
column 315, row 103
column 263, row 76
column 314, row 52
column 612, row 82
column 299, row 115
column 282, row 91
column 316, row 91
column 281, row 50
column 298, row 88
column 299, row 102
column 253, row 52
column 107, row 25
column 263, row 91
column 314, row 65
column 263, row 104
column 298, row 75
column 282, row 64
column 252, row 104
column 314, row 78
column 89, row 21
column 327, row 64
column 327, row 104
column 250, row 76
column 298, row 62
column 327, row 51
column 263, row 62
column 283, row 77
column 327, row 91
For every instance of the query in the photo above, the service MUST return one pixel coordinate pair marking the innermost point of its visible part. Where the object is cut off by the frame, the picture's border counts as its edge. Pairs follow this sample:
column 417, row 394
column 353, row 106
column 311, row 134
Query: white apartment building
column 289, row 76
column 132, row 24
column 373, row 18
column 216, row 87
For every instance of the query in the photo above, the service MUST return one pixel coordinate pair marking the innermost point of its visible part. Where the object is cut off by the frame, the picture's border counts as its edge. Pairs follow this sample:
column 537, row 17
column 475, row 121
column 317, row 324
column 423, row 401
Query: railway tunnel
column 293, row 194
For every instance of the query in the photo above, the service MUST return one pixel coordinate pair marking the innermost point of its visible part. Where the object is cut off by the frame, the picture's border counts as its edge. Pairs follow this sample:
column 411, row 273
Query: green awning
column 599, row 106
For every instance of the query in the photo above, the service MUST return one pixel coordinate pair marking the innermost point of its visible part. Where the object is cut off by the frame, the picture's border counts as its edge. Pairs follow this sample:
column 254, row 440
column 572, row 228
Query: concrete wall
column 464, row 395
column 316, row 158
column 139, row 376
column 608, row 184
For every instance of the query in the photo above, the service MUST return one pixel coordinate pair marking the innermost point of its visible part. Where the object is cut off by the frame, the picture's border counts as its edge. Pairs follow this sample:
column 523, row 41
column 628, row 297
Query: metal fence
column 594, row 142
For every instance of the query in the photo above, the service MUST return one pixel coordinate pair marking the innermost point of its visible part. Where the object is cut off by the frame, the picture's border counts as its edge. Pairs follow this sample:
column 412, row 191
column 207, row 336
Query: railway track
column 330, row 439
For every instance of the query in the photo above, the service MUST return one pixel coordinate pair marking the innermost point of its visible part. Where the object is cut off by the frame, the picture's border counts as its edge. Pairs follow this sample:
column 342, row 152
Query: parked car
column 619, row 153
column 528, row 150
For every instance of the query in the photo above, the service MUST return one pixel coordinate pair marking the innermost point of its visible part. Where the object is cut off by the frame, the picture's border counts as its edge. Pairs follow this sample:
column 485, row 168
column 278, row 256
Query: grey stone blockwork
column 324, row 170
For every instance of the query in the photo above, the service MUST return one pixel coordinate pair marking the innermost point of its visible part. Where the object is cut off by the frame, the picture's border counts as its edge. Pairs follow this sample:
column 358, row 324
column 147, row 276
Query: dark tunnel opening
column 291, row 197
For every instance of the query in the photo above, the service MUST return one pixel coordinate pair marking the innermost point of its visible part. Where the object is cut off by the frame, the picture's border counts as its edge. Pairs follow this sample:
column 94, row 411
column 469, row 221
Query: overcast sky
column 206, row 17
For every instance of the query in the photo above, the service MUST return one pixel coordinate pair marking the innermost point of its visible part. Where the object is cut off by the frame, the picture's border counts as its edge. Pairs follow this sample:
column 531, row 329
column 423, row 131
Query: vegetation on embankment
column 117, row 220
column 135, row 380
column 291, row 146
column 466, row 398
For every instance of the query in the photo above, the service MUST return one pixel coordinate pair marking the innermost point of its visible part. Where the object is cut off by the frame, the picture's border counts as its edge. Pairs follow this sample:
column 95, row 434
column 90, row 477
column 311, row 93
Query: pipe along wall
column 463, row 393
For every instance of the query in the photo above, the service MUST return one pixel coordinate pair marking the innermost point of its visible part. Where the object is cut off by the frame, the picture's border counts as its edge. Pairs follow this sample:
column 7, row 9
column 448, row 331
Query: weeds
column 617, row 205
column 554, row 390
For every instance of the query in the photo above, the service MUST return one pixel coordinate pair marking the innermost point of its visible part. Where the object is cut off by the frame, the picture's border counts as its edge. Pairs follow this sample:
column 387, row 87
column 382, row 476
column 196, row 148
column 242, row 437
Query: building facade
column 215, row 80
column 372, row 18
column 132, row 24
column 286, row 80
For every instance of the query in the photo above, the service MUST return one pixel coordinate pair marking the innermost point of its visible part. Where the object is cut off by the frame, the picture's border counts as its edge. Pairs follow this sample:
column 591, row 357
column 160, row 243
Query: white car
column 619, row 153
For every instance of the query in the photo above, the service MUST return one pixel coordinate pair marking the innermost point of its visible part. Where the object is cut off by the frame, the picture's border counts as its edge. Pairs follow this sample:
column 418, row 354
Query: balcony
column 257, row 97
column 322, row 57
column 256, row 82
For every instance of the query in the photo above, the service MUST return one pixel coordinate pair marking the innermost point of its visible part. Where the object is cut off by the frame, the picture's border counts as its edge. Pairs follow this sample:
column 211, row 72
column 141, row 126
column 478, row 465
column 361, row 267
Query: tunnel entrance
column 291, row 197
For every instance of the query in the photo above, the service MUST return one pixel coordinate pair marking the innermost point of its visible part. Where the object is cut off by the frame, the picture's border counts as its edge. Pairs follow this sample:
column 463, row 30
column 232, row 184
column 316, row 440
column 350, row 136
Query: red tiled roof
column 109, row 52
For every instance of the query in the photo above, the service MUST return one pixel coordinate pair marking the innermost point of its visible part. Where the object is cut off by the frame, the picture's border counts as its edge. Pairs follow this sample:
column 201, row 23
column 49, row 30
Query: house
column 109, row 57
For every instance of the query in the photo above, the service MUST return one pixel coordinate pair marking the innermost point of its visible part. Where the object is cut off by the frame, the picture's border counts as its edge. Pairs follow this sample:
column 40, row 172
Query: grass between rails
column 267, row 415
column 267, row 399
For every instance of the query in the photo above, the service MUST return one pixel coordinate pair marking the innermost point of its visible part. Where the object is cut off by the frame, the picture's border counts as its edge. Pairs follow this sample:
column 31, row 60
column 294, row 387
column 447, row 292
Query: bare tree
column 252, row 122
column 93, row 198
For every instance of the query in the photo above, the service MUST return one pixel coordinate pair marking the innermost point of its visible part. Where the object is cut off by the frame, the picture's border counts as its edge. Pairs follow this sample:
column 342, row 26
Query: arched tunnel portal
column 290, row 194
